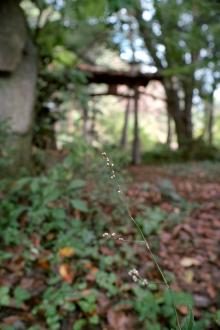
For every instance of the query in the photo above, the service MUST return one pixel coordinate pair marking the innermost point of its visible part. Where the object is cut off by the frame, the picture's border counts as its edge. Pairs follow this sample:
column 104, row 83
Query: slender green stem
column 124, row 202
column 152, row 256
column 149, row 251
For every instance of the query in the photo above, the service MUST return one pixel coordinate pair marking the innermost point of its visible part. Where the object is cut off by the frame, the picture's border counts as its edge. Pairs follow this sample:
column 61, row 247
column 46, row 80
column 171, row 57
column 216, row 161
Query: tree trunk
column 136, row 159
column 93, row 123
column 169, row 130
column 124, row 135
column 85, row 128
column 187, row 111
column 182, row 116
column 209, row 109
column 210, row 125
column 184, row 136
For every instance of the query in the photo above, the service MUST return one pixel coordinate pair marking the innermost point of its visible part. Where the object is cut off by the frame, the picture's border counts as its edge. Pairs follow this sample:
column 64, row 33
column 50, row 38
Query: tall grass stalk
column 145, row 241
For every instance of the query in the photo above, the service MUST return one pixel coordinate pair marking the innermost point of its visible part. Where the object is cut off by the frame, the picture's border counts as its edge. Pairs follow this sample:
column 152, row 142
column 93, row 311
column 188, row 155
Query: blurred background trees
column 178, row 39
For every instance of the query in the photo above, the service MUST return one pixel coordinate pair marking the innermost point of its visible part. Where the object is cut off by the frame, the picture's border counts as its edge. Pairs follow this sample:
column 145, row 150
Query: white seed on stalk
column 144, row 282
column 135, row 271
column 134, row 278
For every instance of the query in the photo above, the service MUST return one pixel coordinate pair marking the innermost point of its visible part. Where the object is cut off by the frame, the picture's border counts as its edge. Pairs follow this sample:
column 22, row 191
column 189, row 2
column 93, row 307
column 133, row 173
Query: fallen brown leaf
column 188, row 262
column 66, row 273
column 66, row 252
column 118, row 320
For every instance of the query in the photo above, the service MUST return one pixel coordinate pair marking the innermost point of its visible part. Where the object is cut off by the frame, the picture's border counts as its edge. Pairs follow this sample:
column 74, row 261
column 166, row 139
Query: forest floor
column 58, row 273
column 190, row 249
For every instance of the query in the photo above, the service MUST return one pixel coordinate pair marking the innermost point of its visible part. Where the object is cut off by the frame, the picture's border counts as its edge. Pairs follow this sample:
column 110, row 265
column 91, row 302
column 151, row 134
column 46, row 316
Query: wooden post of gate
column 136, row 157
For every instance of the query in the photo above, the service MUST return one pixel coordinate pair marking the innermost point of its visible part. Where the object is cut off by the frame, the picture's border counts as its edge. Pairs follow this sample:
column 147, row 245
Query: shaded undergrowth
column 57, row 273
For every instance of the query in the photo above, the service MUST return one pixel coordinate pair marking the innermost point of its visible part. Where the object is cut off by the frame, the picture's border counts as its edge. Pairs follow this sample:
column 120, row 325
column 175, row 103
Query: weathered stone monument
column 18, row 73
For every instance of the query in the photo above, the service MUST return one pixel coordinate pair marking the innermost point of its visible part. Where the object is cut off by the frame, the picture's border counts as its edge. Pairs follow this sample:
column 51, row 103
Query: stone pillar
column 18, row 73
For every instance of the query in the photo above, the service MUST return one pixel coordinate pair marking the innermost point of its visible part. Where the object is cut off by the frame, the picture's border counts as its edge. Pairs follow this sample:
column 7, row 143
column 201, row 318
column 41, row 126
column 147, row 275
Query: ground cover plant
column 58, row 272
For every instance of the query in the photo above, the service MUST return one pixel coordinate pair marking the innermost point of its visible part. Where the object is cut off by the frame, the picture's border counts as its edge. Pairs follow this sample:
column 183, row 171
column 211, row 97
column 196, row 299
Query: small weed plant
column 188, row 322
